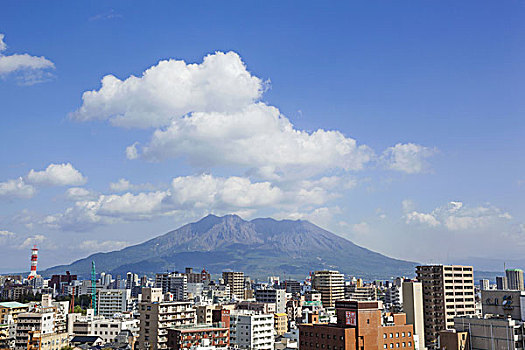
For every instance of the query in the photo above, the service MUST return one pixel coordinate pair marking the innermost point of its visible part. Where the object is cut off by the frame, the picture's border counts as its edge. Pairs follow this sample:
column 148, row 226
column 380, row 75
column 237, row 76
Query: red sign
column 351, row 319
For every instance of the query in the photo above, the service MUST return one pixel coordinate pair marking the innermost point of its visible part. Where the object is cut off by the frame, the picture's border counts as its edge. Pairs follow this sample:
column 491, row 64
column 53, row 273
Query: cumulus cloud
column 455, row 216
column 170, row 90
column 257, row 137
column 57, row 175
column 408, row 158
column 30, row 69
column 102, row 246
column 16, row 188
column 422, row 218
column 198, row 194
column 78, row 193
column 30, row 241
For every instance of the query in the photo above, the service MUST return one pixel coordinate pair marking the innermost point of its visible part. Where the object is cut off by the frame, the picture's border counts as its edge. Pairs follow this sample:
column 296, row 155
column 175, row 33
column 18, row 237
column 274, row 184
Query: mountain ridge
column 259, row 247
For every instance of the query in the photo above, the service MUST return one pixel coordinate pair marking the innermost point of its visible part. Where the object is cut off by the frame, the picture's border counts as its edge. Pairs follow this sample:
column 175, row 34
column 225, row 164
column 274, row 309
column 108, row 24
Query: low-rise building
column 360, row 325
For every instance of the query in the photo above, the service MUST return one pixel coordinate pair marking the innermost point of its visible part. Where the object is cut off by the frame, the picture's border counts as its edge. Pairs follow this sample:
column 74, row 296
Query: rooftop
column 12, row 304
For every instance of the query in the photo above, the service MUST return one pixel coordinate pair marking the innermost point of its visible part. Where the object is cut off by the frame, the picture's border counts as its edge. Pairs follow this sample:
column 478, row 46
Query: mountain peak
column 258, row 247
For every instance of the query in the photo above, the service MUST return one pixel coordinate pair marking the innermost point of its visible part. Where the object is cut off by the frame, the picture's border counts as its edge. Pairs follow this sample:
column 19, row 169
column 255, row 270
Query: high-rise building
column 413, row 308
column 501, row 283
column 515, row 279
column 484, row 284
column 330, row 284
column 157, row 315
column 236, row 282
column 362, row 293
column 448, row 291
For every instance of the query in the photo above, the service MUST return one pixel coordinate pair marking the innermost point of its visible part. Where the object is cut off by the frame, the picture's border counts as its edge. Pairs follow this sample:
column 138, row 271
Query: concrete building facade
column 448, row 291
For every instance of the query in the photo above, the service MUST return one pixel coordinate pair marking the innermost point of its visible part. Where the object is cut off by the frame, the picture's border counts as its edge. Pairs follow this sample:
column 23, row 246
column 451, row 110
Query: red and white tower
column 34, row 260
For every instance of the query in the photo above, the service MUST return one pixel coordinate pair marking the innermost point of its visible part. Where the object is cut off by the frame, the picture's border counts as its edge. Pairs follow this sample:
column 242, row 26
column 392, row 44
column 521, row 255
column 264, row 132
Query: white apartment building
column 113, row 301
column 252, row 331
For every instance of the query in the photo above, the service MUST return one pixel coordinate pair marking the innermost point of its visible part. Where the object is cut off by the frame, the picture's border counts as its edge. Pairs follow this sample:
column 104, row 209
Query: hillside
column 259, row 247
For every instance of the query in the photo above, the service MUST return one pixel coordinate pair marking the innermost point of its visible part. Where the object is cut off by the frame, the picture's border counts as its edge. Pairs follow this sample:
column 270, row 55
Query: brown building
column 451, row 339
column 216, row 334
column 360, row 326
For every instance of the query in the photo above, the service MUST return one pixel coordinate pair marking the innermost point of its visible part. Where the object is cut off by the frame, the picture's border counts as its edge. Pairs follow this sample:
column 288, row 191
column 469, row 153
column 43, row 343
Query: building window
column 384, row 336
column 409, row 334
column 391, row 335
column 397, row 335
column 368, row 321
column 403, row 334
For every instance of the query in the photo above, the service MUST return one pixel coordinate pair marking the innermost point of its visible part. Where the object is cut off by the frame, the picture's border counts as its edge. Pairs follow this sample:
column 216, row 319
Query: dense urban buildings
column 438, row 309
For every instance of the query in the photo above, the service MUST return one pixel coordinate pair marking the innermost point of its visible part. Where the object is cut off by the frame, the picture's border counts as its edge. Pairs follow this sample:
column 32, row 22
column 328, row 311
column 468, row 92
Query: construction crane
column 93, row 287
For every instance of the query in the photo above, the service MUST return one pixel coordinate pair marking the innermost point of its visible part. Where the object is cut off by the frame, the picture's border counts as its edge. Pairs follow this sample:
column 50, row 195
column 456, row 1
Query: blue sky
column 443, row 80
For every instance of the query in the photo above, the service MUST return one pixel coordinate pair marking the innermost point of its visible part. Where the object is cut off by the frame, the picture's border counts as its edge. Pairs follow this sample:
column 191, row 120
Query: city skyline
column 396, row 126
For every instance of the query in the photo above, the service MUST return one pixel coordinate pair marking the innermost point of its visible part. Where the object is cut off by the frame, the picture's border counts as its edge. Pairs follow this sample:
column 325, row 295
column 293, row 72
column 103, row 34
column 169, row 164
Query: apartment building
column 448, row 291
column 157, row 315
column 113, row 301
column 272, row 296
column 215, row 334
column 330, row 284
column 236, row 282
column 251, row 331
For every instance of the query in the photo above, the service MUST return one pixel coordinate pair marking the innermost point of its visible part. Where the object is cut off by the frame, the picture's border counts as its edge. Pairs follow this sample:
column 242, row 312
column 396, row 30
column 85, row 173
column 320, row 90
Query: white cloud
column 5, row 233
column 120, row 186
column 3, row 46
column 207, row 191
column 78, row 193
column 132, row 151
column 32, row 69
column 198, row 194
column 257, row 137
column 362, row 228
column 408, row 158
column 421, row 218
column 57, row 175
column 33, row 240
column 123, row 185
column 455, row 216
column 170, row 90
column 16, row 188
column 102, row 246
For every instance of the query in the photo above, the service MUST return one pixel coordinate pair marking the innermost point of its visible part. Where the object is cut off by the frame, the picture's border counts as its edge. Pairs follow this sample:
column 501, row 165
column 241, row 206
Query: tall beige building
column 413, row 308
column 236, row 282
column 158, row 315
column 331, row 285
column 448, row 291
